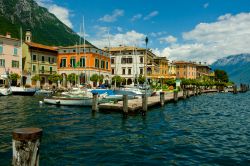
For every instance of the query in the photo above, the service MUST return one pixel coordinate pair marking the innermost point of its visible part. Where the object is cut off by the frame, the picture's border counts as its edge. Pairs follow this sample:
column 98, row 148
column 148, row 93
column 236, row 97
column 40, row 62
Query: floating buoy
column 40, row 102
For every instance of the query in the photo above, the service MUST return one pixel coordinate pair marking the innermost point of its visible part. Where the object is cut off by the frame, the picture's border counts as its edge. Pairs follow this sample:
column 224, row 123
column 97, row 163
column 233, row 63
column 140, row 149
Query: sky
column 192, row 30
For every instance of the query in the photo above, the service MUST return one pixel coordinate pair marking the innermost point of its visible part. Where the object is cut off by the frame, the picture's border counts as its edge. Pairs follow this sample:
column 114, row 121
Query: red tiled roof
column 37, row 45
column 2, row 36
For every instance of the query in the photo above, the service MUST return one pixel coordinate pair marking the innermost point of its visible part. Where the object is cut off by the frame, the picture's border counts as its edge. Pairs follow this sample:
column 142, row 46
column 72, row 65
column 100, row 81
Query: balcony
column 47, row 72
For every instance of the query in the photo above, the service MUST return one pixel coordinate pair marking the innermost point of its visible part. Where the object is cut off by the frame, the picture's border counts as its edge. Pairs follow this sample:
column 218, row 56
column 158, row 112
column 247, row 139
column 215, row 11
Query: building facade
column 84, row 60
column 203, row 71
column 159, row 69
column 38, row 60
column 185, row 70
column 10, row 55
column 130, row 62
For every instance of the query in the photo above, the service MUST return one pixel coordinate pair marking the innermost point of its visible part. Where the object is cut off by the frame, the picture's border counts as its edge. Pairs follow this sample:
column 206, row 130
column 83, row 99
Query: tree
column 94, row 78
column 14, row 77
column 170, row 82
column 221, row 76
column 141, row 79
column 118, row 79
column 72, row 78
column 55, row 78
column 36, row 78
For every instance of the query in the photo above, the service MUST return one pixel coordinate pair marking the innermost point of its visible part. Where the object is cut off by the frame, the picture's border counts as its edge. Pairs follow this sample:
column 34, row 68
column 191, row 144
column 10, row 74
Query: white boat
column 5, row 91
column 69, row 101
column 23, row 91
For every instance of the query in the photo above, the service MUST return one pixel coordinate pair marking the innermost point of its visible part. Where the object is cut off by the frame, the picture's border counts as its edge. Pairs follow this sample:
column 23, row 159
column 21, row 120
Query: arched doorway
column 129, row 81
column 82, row 78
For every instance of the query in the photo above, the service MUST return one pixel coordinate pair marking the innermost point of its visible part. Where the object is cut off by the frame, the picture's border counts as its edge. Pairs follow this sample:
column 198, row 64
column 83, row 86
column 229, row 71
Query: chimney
column 8, row 35
column 28, row 36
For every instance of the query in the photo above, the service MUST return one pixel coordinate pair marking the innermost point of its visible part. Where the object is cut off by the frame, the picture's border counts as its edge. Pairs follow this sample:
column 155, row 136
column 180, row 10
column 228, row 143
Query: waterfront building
column 185, row 70
column 171, row 70
column 38, row 60
column 203, row 71
column 159, row 69
column 85, row 61
column 10, row 55
column 129, row 62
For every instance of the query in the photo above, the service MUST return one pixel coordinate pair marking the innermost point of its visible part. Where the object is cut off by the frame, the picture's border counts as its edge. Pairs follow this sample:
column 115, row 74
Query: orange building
column 185, row 70
column 84, row 61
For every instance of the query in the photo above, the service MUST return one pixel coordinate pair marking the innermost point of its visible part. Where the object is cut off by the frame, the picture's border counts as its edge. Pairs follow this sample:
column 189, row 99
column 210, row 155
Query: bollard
column 162, row 98
column 184, row 93
column 95, row 102
column 194, row 91
column 125, row 105
column 25, row 143
column 235, row 89
column 175, row 96
column 144, row 104
column 188, row 95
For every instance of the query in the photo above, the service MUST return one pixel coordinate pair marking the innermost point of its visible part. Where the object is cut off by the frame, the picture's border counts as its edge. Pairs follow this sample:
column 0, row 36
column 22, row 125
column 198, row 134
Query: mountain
column 46, row 28
column 237, row 67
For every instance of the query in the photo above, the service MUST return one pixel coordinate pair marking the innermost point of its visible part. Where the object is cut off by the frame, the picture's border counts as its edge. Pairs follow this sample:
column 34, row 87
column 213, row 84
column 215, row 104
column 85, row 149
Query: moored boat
column 22, row 91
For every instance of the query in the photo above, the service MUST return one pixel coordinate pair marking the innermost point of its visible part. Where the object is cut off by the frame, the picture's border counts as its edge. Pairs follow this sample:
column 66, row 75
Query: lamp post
column 146, row 63
column 145, row 100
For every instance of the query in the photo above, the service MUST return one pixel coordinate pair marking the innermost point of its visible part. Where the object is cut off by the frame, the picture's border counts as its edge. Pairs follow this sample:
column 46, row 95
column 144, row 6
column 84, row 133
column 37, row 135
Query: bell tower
column 28, row 36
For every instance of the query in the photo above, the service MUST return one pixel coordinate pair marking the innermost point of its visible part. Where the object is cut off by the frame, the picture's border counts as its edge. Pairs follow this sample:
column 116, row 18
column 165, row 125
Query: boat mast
column 109, row 52
column 84, row 50
column 21, row 55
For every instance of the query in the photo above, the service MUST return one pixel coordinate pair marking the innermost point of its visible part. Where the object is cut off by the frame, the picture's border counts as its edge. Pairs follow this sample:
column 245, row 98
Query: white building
column 129, row 62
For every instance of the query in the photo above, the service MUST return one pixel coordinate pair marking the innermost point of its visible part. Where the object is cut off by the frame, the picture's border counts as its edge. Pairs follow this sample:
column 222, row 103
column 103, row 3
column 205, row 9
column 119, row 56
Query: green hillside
column 46, row 28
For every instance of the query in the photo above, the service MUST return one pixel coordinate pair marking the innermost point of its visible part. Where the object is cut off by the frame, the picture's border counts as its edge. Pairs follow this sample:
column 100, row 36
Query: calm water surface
column 212, row 129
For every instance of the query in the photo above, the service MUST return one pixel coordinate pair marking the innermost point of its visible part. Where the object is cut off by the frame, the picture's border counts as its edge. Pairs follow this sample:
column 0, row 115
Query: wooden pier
column 136, row 105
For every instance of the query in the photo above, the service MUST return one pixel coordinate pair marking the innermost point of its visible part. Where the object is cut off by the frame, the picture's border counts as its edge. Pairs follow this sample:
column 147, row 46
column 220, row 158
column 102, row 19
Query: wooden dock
column 135, row 105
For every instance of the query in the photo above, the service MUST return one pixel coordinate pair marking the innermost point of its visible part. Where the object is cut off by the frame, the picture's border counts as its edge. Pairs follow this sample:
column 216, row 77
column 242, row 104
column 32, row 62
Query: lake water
column 211, row 129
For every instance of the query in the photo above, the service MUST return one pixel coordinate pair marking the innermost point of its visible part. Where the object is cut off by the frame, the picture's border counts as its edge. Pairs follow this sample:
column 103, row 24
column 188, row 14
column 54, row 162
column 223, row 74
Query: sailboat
column 22, row 90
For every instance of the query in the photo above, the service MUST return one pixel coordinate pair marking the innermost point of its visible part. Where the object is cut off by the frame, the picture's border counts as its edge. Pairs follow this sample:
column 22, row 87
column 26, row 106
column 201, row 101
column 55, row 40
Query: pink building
column 10, row 52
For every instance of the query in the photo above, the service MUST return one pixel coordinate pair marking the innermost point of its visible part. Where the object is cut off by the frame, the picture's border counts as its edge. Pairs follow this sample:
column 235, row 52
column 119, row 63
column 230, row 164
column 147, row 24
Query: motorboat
column 22, row 91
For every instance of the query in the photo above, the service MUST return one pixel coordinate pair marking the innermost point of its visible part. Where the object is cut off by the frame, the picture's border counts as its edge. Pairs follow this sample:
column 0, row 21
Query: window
column 2, row 63
column 34, row 57
column 141, row 59
column 50, row 70
column 102, row 64
column 49, row 59
column 63, row 62
column 112, row 60
column 15, row 64
column 107, row 65
column 141, row 70
column 1, row 49
column 52, row 60
column 42, row 70
column 72, row 62
column 15, row 51
column 43, row 58
column 123, row 71
column 129, row 71
column 129, row 60
column 97, row 63
column 123, row 60
column 113, row 71
column 82, row 62
column 34, row 68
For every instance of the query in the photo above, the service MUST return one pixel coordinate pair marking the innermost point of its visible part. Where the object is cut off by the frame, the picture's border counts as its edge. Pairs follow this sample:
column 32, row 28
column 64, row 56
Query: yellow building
column 185, row 70
column 159, row 68
column 39, row 60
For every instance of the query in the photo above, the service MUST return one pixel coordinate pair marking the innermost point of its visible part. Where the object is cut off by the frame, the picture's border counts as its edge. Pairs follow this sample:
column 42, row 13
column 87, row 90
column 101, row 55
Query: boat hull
column 69, row 101
column 23, row 91
column 5, row 92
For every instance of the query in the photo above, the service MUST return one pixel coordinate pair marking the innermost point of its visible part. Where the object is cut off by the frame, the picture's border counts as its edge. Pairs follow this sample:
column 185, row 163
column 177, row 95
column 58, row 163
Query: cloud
column 119, row 29
column 206, row 5
column 157, row 34
column 113, row 17
column 136, row 17
column 169, row 39
column 151, row 15
column 62, row 13
column 129, row 38
column 207, row 42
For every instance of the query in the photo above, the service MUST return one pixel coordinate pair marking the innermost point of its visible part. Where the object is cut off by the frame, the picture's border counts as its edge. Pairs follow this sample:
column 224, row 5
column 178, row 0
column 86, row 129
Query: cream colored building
column 39, row 60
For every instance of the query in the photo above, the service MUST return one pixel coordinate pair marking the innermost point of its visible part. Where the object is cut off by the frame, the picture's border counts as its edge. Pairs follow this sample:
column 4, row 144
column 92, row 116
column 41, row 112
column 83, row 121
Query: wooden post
column 25, row 143
column 194, row 90
column 235, row 89
column 144, row 104
column 175, row 96
column 162, row 98
column 188, row 95
column 184, row 93
column 95, row 102
column 125, row 105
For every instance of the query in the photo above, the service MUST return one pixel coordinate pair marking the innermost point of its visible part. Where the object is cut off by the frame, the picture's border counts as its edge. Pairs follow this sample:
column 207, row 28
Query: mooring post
column 188, row 95
column 162, row 98
column 235, row 89
column 95, row 102
column 26, row 143
column 184, row 93
column 144, row 104
column 194, row 90
column 175, row 95
column 125, row 105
